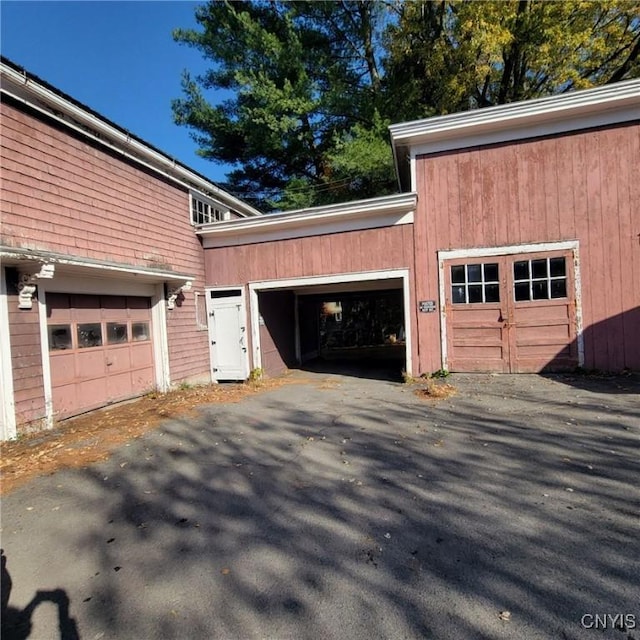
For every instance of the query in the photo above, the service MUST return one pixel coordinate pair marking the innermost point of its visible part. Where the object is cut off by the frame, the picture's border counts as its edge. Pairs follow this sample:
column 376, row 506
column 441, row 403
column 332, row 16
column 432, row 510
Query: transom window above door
column 539, row 279
column 472, row 283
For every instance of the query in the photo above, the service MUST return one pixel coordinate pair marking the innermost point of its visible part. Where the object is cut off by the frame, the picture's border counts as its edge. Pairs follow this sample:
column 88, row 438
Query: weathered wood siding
column 62, row 193
column 345, row 252
column 26, row 363
column 580, row 186
column 277, row 335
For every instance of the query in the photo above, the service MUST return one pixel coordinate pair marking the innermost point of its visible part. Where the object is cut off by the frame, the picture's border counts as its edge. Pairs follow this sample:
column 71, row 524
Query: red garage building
column 515, row 249
column 513, row 246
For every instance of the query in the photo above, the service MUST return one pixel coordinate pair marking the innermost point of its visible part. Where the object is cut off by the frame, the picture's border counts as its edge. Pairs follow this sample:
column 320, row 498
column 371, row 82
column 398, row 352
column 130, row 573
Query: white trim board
column 507, row 250
column 374, row 213
column 7, row 402
column 554, row 115
column 487, row 252
column 339, row 278
column 98, row 286
column 73, row 266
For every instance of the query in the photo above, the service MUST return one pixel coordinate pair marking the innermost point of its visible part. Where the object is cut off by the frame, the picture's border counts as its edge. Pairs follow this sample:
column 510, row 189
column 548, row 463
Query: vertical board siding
column 63, row 194
column 345, row 252
column 379, row 249
column 579, row 186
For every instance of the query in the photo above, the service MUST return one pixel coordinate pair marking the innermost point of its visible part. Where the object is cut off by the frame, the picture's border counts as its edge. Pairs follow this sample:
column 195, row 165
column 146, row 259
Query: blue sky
column 116, row 57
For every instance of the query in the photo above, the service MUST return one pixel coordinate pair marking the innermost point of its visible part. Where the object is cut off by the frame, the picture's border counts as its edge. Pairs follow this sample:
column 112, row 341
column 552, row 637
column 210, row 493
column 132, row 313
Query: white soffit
column 373, row 213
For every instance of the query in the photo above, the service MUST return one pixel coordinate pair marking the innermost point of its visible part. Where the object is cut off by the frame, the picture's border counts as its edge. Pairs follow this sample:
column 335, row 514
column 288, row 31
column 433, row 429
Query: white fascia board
column 23, row 257
column 618, row 97
column 363, row 214
column 35, row 95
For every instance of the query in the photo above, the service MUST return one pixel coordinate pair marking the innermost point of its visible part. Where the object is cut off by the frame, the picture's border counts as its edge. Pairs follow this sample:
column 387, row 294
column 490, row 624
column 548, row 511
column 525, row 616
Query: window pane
column 491, row 293
column 540, row 290
column 458, row 295
column 474, row 273
column 457, row 274
column 89, row 335
column 140, row 331
column 116, row 332
column 557, row 267
column 521, row 270
column 559, row 288
column 475, row 293
column 539, row 268
column 491, row 272
column 522, row 291
column 59, row 337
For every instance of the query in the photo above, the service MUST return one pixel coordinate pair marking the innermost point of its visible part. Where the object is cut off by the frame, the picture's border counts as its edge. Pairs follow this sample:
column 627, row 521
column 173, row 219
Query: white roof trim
column 362, row 214
column 601, row 106
column 24, row 257
column 577, row 103
column 24, row 88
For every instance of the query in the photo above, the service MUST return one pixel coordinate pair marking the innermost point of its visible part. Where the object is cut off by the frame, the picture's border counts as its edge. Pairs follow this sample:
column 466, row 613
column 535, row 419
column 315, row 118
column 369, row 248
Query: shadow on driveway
column 349, row 508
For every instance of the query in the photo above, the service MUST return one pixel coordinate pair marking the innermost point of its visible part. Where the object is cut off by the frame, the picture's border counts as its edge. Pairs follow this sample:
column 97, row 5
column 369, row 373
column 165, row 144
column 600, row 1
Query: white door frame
column 104, row 286
column 7, row 401
column 337, row 278
column 243, row 314
column 487, row 252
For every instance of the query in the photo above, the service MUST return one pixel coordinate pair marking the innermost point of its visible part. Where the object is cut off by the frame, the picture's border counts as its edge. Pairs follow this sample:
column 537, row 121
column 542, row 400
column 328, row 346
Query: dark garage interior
column 359, row 333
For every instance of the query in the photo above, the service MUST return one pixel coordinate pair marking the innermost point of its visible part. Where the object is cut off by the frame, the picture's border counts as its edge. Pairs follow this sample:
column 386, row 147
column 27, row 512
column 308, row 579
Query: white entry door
column 227, row 334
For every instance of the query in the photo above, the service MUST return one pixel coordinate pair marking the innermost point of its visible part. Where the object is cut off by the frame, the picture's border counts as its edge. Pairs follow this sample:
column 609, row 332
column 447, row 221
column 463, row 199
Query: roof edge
column 505, row 116
column 35, row 92
column 397, row 203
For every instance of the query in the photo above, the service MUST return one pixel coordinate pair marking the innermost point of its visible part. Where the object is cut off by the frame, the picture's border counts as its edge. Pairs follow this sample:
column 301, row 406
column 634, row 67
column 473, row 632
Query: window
column 539, row 279
column 59, row 337
column 472, row 283
column 204, row 211
column 89, row 335
column 116, row 332
column 140, row 331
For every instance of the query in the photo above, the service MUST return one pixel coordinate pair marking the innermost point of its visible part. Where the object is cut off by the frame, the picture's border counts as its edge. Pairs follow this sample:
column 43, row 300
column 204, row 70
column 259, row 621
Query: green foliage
column 312, row 86
column 459, row 54
column 302, row 76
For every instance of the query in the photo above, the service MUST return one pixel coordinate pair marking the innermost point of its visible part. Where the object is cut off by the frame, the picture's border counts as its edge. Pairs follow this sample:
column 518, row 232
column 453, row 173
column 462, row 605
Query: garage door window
column 59, row 337
column 89, row 335
column 116, row 332
column 140, row 331
column 540, row 279
column 471, row 283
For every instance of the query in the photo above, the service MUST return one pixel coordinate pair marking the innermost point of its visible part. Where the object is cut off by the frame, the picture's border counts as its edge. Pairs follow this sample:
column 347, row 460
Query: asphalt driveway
column 348, row 508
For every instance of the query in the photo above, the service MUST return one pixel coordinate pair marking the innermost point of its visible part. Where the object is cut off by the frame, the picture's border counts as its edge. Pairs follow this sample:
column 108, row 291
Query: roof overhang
column 33, row 261
column 385, row 211
column 602, row 106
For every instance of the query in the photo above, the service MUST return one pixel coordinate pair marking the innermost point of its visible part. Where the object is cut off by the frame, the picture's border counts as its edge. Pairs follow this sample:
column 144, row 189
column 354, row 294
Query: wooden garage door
column 511, row 314
column 100, row 350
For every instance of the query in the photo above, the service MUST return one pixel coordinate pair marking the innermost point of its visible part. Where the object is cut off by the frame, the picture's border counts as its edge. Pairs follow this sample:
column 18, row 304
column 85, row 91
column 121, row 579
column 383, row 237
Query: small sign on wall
column 427, row 306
